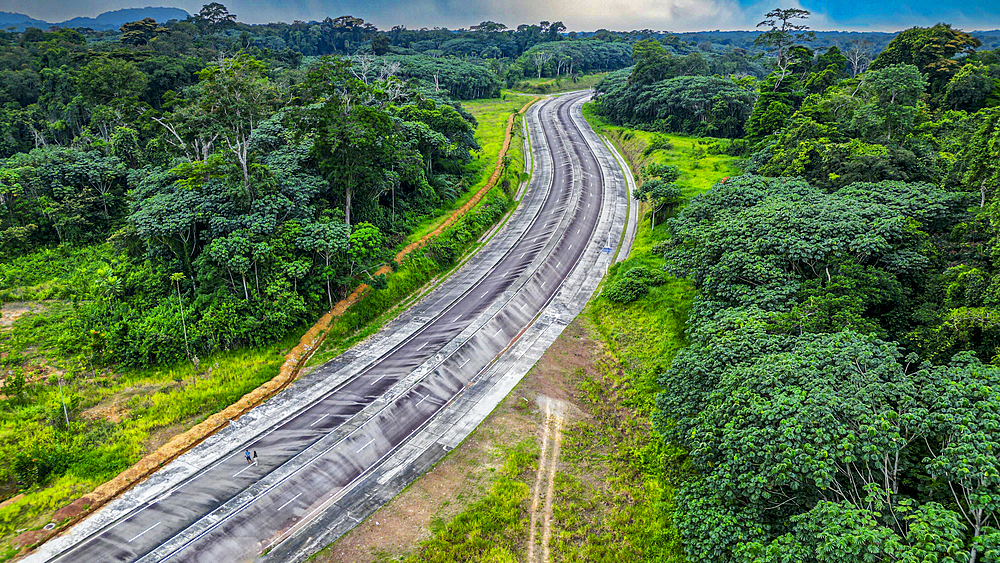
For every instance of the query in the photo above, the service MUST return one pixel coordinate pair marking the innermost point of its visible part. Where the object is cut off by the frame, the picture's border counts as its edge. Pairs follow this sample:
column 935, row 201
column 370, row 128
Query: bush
column 626, row 290
column 646, row 276
column 658, row 142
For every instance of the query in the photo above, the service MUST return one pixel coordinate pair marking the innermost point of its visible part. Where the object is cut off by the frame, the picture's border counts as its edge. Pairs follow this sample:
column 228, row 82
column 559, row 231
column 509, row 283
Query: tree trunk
column 347, row 205
column 329, row 293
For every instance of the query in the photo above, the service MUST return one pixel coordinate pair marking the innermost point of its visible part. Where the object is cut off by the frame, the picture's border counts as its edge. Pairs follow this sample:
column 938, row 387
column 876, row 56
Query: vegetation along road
column 313, row 457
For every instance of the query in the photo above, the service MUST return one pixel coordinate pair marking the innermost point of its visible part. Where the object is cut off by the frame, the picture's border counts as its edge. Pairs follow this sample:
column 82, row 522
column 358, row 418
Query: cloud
column 581, row 15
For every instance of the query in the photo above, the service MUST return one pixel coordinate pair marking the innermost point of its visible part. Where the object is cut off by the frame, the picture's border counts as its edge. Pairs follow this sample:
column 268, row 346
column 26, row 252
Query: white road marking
column 484, row 295
column 421, row 400
column 379, row 379
column 522, row 256
column 143, row 532
column 467, row 360
column 499, row 330
column 242, row 470
column 424, row 344
column 289, row 501
column 366, row 445
column 324, row 416
column 558, row 263
column 570, row 246
column 523, row 305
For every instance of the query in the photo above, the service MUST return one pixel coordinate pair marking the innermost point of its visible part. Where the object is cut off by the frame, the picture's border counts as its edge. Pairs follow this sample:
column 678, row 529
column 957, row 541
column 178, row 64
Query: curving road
column 316, row 454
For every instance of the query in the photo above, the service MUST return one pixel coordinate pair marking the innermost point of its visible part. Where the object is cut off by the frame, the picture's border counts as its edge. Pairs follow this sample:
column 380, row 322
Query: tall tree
column 237, row 95
column 933, row 50
column 215, row 17
column 783, row 32
column 355, row 143
column 140, row 32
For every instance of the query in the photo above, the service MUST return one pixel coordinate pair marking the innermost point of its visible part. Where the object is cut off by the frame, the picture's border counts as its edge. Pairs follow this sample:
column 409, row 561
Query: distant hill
column 114, row 20
column 20, row 21
column 105, row 21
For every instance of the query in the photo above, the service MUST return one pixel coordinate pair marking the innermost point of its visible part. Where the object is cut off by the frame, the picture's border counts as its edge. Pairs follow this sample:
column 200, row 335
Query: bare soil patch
column 464, row 476
column 16, row 309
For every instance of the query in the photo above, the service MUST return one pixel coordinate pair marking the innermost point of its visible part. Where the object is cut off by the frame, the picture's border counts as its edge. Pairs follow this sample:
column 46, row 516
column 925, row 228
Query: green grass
column 548, row 85
column 700, row 170
column 491, row 529
column 95, row 448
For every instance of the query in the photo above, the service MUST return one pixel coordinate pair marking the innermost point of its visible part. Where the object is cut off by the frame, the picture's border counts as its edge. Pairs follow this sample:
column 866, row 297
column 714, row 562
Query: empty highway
column 231, row 511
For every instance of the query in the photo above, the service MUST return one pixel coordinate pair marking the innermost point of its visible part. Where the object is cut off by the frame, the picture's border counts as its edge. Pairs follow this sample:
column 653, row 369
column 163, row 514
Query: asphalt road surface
column 223, row 513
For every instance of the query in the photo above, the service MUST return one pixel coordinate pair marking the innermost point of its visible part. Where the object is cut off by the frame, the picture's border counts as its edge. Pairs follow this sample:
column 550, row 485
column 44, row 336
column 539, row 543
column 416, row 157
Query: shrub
column 658, row 142
column 646, row 276
column 626, row 290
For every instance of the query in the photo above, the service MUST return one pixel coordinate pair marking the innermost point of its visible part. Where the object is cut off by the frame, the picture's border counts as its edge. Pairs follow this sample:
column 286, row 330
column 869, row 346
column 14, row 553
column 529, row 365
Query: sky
column 579, row 15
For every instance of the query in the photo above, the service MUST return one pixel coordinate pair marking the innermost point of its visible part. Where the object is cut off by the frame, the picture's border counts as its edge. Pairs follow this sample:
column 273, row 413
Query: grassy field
column 547, row 85
column 700, row 168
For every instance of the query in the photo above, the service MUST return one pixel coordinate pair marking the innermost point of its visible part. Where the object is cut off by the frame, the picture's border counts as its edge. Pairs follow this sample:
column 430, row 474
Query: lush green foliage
column 569, row 58
column 50, row 358
column 699, row 105
column 461, row 79
column 679, row 94
column 809, row 431
column 234, row 189
column 220, row 221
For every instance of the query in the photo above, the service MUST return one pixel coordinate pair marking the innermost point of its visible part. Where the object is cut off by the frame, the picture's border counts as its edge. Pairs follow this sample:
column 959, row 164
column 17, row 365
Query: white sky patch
column 582, row 15
column 579, row 15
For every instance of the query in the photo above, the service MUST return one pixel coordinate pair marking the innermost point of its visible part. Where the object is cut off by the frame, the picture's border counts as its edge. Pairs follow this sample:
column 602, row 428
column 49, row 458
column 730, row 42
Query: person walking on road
column 255, row 457
column 248, row 456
